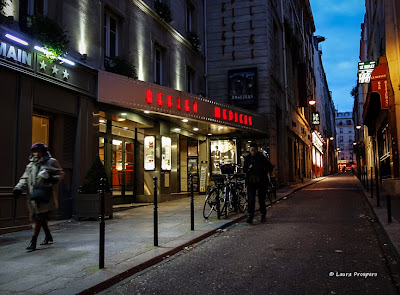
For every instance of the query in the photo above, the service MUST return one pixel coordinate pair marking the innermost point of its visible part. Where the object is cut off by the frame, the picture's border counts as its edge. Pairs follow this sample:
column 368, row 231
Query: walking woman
column 40, row 178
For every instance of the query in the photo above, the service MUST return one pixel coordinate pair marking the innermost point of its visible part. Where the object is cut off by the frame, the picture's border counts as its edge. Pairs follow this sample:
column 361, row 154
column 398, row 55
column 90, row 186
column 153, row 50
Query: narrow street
column 320, row 240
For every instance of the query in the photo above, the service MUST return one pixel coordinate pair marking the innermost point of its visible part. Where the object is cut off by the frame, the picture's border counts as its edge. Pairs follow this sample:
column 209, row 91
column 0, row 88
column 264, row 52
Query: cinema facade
column 138, row 129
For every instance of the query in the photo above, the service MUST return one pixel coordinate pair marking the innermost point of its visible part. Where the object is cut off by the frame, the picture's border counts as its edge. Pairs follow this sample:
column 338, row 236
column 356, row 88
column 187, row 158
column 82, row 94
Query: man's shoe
column 249, row 220
column 263, row 219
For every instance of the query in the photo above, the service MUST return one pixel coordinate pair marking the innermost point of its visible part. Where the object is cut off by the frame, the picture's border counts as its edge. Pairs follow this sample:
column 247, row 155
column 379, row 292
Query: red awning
column 378, row 94
column 379, row 84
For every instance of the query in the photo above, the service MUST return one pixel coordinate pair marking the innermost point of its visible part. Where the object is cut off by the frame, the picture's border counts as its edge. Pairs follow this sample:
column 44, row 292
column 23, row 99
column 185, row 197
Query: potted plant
column 163, row 11
column 88, row 202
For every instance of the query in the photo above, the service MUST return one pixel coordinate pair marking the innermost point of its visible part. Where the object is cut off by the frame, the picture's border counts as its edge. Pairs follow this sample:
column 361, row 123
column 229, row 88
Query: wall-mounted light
column 354, row 143
column 332, row 138
column 209, row 134
column 312, row 102
column 147, row 112
column 195, row 129
column 16, row 39
column 185, row 120
column 358, row 127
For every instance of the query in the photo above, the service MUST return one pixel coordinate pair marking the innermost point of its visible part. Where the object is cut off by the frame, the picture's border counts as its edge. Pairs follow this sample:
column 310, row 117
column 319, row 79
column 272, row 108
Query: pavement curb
column 384, row 237
column 153, row 261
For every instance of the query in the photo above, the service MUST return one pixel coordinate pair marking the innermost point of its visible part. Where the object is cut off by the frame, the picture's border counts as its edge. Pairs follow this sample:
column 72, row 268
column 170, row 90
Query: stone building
column 378, row 91
column 131, row 90
column 260, row 57
column 345, row 139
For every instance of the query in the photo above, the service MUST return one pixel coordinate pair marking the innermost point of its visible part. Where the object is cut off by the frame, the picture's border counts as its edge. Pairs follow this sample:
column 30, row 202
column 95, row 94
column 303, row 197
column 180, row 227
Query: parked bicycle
column 228, row 193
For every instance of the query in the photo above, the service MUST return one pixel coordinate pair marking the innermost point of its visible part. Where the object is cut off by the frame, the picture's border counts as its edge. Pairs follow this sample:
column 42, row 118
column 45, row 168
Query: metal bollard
column 389, row 207
column 366, row 178
column 102, row 223
column 155, row 213
column 372, row 184
column 191, row 203
column 378, row 200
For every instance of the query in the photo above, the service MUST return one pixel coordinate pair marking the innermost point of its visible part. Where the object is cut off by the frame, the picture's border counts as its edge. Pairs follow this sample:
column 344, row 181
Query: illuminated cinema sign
column 316, row 120
column 11, row 52
column 229, row 115
column 364, row 71
column 171, row 101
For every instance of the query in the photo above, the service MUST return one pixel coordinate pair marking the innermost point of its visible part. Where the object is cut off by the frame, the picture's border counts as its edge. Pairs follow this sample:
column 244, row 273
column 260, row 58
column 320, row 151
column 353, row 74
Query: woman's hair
column 39, row 147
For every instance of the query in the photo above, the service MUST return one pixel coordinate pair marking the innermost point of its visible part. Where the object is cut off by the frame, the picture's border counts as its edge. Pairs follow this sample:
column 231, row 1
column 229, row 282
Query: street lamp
column 312, row 101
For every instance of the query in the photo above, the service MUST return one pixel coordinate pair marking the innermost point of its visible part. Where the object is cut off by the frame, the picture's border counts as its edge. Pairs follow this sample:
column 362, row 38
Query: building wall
column 252, row 35
column 345, row 136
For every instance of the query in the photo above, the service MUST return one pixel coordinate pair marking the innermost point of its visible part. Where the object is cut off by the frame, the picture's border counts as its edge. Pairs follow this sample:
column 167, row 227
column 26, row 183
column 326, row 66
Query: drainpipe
column 205, row 47
column 284, row 58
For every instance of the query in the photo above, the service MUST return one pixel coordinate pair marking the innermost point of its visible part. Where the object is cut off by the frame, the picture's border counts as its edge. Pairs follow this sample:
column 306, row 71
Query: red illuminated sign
column 229, row 115
column 169, row 103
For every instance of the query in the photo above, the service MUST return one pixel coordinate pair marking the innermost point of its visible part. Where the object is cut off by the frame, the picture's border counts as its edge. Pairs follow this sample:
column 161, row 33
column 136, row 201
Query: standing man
column 256, row 167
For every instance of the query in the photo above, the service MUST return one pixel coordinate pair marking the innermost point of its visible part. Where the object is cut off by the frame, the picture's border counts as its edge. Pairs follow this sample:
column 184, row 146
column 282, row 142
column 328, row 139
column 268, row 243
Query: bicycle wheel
column 210, row 203
column 242, row 201
column 224, row 208
column 270, row 193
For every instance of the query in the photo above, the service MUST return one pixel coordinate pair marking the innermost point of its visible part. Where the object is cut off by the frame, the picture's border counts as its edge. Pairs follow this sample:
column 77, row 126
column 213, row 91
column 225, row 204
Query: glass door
column 122, row 167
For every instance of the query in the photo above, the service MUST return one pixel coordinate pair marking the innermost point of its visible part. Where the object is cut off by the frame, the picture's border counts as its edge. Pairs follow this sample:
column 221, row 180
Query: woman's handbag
column 42, row 194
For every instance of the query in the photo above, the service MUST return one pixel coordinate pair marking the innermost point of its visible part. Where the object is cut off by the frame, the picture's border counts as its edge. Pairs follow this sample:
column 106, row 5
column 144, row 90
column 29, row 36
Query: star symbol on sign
column 65, row 74
column 55, row 70
column 43, row 65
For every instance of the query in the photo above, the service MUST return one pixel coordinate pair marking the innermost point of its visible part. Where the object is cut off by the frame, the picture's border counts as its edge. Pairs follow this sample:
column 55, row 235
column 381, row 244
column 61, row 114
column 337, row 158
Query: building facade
column 345, row 140
column 379, row 93
column 260, row 57
column 323, row 123
column 131, row 91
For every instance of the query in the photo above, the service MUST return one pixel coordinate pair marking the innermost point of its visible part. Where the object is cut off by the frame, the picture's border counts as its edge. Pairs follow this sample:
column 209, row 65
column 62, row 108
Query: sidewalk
column 70, row 265
column 392, row 230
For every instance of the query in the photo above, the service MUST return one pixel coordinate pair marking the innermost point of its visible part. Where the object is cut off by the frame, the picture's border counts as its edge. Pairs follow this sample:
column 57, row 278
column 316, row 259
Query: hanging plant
column 194, row 40
column 163, row 11
column 50, row 34
column 120, row 65
column 3, row 5
column 3, row 18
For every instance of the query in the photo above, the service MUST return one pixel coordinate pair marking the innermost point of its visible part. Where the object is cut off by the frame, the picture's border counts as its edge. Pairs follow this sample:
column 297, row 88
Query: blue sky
column 339, row 21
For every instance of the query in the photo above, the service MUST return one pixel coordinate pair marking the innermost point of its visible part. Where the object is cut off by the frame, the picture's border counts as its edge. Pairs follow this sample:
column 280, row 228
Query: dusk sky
column 339, row 21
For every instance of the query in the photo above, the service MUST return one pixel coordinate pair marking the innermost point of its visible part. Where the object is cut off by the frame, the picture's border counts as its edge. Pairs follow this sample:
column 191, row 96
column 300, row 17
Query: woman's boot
column 48, row 239
column 32, row 244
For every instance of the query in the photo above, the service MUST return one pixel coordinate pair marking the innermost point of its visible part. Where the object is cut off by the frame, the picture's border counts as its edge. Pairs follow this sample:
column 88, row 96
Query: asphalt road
column 320, row 240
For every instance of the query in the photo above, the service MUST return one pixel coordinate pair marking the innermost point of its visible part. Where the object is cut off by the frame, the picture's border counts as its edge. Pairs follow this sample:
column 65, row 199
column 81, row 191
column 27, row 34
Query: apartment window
column 350, row 130
column 340, row 138
column 158, row 65
column 341, row 131
column 189, row 16
column 189, row 80
column 110, row 35
column 37, row 7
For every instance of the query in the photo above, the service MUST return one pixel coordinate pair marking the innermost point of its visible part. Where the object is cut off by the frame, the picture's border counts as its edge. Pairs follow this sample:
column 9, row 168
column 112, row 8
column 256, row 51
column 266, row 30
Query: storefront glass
column 40, row 129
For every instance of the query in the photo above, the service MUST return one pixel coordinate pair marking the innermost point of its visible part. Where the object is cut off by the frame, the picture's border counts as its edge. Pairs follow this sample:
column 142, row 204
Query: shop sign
column 11, row 52
column 229, row 115
column 379, row 84
column 242, row 87
column 149, row 153
column 317, row 142
column 364, row 71
column 316, row 118
column 166, row 153
column 171, row 102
